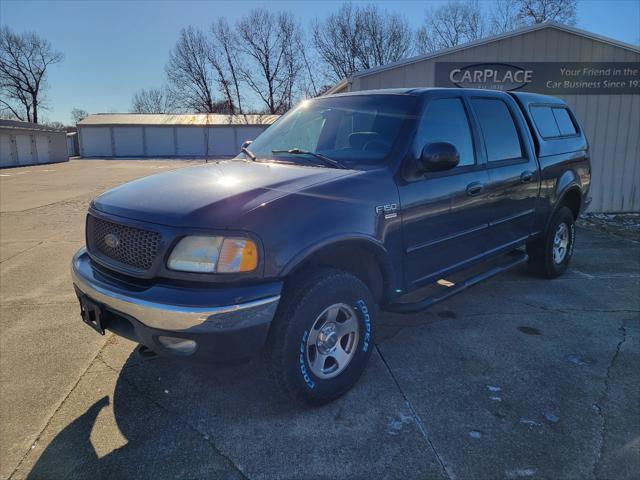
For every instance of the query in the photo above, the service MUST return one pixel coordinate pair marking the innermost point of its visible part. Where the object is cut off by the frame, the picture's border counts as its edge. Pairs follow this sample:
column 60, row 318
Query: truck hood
column 215, row 195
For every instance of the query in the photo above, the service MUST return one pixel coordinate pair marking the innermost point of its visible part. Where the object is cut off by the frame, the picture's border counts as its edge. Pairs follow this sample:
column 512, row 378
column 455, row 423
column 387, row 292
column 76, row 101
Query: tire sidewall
column 563, row 215
column 351, row 292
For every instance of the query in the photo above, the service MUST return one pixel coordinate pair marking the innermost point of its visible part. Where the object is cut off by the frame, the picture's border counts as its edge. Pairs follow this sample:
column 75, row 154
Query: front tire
column 549, row 256
column 322, row 337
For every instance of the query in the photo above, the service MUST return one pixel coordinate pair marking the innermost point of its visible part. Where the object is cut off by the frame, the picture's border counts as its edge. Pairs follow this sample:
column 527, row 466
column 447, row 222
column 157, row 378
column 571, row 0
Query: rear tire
column 549, row 256
column 322, row 336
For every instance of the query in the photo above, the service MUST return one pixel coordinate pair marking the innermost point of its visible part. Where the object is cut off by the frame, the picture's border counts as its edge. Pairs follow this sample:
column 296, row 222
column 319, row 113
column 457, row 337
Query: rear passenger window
column 445, row 120
column 553, row 122
column 545, row 122
column 500, row 134
column 565, row 124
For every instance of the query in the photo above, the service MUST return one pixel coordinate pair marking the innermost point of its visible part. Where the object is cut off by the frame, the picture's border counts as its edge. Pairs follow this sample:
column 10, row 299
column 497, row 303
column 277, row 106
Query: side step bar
column 412, row 307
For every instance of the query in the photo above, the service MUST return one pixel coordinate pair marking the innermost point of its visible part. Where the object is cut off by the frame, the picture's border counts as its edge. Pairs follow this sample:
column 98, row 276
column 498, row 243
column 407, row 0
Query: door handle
column 526, row 177
column 474, row 188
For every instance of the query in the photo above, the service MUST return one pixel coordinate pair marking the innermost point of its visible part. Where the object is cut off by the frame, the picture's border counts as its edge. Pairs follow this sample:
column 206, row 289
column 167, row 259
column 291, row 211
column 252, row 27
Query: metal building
column 23, row 143
column 168, row 135
column 598, row 77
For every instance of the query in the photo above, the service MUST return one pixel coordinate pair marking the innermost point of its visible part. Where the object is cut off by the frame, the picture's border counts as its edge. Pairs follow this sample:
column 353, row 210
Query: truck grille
column 129, row 245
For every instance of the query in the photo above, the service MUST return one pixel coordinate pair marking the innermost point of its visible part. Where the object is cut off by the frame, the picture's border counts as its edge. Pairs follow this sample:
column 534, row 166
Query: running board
column 412, row 307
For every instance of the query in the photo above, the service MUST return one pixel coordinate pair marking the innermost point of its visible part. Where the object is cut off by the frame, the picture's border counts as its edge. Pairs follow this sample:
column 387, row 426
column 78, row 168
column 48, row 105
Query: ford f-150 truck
column 347, row 205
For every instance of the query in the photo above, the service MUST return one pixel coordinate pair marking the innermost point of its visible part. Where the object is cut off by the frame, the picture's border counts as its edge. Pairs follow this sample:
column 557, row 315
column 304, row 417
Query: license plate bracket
column 92, row 313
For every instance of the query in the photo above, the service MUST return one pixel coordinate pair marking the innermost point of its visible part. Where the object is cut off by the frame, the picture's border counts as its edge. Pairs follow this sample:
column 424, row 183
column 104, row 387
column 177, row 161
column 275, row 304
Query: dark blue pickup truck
column 347, row 205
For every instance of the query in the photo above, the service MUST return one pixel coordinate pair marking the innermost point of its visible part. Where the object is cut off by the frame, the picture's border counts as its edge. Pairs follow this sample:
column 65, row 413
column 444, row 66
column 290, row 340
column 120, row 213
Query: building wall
column 26, row 146
column 164, row 141
column 611, row 122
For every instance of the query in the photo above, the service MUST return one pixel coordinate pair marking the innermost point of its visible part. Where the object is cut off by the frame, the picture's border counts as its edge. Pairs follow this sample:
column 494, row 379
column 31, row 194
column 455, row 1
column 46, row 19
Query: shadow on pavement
column 159, row 443
column 188, row 421
column 72, row 443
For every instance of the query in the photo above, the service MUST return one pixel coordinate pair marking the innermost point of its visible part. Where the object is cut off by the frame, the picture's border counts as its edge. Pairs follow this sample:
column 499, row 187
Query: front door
column 444, row 214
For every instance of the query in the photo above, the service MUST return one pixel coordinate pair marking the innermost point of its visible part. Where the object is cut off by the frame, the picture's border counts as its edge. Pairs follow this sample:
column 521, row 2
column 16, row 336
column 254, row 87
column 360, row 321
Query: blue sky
column 113, row 48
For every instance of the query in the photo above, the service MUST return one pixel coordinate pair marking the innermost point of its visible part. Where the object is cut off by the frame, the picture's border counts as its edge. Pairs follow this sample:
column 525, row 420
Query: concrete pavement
column 516, row 378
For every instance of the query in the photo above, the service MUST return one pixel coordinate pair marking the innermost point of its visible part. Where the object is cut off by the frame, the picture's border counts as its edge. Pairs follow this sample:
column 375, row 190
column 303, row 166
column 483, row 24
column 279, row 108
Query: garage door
column 190, row 141
column 159, row 141
column 26, row 155
column 128, row 141
column 222, row 141
column 43, row 148
column 95, row 142
column 6, row 155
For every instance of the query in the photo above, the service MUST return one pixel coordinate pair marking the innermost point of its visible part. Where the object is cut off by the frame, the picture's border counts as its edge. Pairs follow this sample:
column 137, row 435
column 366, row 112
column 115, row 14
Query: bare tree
column 54, row 124
column 225, row 60
column 78, row 114
column 337, row 41
column 452, row 24
column 504, row 17
column 356, row 38
column 386, row 37
column 24, row 59
column 152, row 100
column 538, row 11
column 271, row 66
column 508, row 15
column 189, row 72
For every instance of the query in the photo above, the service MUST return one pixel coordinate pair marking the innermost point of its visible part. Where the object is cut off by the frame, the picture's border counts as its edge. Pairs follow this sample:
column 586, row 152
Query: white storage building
column 167, row 135
column 23, row 143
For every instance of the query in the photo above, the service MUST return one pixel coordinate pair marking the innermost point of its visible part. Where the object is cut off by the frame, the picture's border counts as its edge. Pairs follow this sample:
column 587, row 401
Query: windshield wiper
column 248, row 153
column 298, row 151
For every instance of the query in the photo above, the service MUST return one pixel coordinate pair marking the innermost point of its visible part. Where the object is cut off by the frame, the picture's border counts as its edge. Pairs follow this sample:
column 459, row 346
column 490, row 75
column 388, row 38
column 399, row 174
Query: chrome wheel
column 332, row 341
column 560, row 243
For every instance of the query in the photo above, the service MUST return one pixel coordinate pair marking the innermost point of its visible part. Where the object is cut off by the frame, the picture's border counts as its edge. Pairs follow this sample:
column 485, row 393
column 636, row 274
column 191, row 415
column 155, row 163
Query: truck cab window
column 545, row 122
column 565, row 124
column 445, row 120
column 500, row 134
column 355, row 130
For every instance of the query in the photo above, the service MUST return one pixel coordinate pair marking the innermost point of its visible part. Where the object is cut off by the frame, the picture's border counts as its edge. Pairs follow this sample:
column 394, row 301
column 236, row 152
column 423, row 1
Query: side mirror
column 438, row 157
column 246, row 144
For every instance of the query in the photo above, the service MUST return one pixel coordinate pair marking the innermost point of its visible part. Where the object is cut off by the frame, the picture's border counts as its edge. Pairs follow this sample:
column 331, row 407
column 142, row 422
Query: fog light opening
column 180, row 346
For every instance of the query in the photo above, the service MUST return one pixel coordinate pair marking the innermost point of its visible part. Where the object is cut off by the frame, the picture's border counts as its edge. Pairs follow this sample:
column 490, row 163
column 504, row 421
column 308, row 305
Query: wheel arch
column 568, row 192
column 570, row 197
column 361, row 256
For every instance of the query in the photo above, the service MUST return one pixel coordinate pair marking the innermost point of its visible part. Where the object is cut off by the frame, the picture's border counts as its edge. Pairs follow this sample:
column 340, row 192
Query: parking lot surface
column 515, row 378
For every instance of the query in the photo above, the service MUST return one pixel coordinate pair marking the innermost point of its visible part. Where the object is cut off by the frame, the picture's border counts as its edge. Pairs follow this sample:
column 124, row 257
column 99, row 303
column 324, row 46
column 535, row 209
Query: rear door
column 444, row 214
column 512, row 167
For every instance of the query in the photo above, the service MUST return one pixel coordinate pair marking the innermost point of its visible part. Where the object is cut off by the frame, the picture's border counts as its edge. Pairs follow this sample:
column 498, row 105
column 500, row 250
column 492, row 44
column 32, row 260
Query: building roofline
column 169, row 119
column 490, row 39
column 338, row 86
column 18, row 124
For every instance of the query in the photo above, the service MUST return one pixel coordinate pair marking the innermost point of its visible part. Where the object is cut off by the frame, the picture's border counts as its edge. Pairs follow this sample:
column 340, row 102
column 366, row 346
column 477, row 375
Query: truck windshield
column 353, row 131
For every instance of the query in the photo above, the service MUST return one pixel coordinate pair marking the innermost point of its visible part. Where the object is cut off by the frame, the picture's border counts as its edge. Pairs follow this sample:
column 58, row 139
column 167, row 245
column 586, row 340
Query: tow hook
column 146, row 352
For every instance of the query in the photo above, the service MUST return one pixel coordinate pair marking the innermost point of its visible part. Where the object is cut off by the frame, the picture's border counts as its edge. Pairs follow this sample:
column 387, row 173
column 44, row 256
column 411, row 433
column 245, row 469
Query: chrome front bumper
column 152, row 309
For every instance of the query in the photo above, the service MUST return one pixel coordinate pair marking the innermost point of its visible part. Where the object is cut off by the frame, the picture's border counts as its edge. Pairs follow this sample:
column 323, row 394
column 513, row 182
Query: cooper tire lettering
column 303, row 367
column 367, row 324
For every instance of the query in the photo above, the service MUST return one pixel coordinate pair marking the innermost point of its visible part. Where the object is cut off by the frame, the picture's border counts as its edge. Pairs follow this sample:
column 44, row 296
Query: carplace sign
column 497, row 76
column 543, row 77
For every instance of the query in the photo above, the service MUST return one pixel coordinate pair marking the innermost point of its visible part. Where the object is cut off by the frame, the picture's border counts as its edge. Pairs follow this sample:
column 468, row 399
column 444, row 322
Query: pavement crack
column 23, row 251
column 421, row 428
column 205, row 436
column 55, row 412
column 598, row 406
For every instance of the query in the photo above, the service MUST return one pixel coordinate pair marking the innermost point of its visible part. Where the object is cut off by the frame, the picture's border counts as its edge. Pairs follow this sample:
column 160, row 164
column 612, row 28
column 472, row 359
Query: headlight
column 214, row 255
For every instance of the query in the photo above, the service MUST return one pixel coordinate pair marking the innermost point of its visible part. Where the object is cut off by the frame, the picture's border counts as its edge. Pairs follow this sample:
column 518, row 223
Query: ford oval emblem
column 111, row 240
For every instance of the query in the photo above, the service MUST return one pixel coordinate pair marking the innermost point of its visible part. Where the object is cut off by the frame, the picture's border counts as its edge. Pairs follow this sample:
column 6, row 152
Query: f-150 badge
column 390, row 210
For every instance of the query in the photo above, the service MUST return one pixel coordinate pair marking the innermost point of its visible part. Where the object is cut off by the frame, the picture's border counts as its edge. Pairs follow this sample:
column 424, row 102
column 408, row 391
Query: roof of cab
column 525, row 98
column 412, row 91
column 528, row 98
